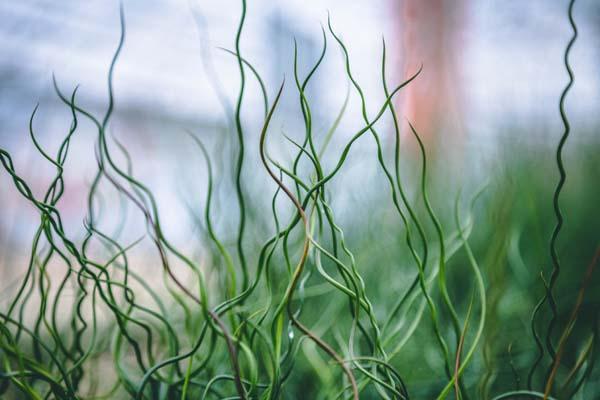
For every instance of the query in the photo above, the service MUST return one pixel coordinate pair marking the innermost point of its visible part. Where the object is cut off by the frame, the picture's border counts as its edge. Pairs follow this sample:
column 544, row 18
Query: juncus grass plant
column 444, row 298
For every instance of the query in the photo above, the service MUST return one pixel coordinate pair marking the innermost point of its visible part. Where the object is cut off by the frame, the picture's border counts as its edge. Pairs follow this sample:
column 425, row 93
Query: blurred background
column 486, row 105
column 492, row 72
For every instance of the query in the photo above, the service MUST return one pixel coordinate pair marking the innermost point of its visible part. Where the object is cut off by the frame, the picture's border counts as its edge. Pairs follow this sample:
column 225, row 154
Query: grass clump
column 437, row 301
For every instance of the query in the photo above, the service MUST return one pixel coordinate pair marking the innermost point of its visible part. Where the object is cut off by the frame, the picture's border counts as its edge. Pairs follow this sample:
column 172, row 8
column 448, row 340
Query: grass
column 420, row 293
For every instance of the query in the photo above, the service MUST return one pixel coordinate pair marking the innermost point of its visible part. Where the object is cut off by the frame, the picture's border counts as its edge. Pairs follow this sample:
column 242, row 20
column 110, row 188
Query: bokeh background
column 492, row 74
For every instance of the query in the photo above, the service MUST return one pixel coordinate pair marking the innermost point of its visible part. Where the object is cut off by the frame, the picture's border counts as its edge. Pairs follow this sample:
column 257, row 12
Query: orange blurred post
column 430, row 33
